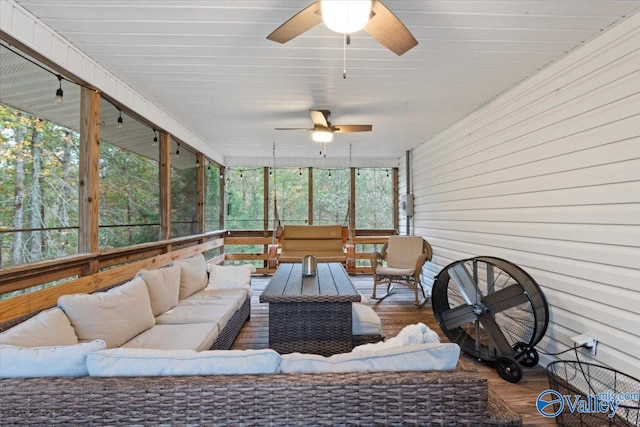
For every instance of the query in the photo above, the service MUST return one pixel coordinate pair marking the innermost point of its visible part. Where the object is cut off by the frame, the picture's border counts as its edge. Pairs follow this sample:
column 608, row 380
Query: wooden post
column 201, row 191
column 310, row 192
column 88, row 176
column 165, row 186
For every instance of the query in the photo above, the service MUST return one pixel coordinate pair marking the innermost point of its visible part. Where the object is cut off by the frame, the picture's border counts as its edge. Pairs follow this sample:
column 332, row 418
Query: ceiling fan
column 323, row 130
column 347, row 17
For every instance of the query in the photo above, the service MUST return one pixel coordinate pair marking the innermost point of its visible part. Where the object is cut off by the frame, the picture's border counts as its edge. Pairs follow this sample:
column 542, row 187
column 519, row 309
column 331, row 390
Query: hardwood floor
column 396, row 312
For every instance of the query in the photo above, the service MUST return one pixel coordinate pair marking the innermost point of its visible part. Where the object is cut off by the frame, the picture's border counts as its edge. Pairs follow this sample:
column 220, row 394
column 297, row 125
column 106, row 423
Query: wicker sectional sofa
column 284, row 390
column 459, row 397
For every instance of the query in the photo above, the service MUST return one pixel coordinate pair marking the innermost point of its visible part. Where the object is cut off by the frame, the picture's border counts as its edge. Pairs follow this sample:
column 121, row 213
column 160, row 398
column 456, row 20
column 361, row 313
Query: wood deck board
column 396, row 312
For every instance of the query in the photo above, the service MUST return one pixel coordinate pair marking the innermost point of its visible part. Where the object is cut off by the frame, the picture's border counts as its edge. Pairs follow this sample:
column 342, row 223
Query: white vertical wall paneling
column 548, row 176
column 22, row 26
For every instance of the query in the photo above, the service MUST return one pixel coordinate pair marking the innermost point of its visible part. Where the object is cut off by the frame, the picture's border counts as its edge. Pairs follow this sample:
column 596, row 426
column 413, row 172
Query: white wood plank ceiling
column 209, row 65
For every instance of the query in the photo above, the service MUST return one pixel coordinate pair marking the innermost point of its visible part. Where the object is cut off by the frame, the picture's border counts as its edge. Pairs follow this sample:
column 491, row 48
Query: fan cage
column 524, row 324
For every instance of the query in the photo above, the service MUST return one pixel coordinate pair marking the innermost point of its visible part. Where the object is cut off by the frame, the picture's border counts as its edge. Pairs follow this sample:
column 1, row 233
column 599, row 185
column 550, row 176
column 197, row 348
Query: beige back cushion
column 163, row 285
column 313, row 232
column 115, row 316
column 312, row 246
column 47, row 328
column 230, row 276
column 193, row 275
column 403, row 251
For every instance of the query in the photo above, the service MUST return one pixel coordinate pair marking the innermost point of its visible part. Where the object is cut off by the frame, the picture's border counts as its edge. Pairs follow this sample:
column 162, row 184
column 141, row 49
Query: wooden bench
column 328, row 243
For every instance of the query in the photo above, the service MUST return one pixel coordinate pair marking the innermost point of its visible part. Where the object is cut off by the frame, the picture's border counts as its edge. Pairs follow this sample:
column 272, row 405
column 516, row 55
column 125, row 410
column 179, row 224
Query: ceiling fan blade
column 293, row 129
column 300, row 23
column 388, row 30
column 319, row 117
column 352, row 128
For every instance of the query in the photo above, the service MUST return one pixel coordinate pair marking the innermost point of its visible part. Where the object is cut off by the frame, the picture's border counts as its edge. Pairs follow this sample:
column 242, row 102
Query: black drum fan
column 493, row 310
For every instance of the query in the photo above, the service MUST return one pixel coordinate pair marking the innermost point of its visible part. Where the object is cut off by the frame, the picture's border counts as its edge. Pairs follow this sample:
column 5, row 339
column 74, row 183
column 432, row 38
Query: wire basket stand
column 575, row 378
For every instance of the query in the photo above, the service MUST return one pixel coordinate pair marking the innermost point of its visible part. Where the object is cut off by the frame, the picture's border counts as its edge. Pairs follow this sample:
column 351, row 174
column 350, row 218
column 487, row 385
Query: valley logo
column 551, row 403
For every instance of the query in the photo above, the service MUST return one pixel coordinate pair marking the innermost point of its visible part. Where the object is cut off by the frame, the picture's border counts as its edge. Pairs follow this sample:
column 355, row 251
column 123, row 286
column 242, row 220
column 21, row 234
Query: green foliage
column 292, row 195
column 38, row 188
column 212, row 199
column 331, row 188
column 129, row 198
column 374, row 199
column 244, row 197
column 184, row 203
column 39, row 194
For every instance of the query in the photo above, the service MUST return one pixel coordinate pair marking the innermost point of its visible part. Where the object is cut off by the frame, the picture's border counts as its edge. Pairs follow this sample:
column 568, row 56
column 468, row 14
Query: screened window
column 212, row 198
column 38, row 162
column 374, row 199
column 331, row 188
column 290, row 190
column 244, row 199
column 129, row 189
column 184, row 188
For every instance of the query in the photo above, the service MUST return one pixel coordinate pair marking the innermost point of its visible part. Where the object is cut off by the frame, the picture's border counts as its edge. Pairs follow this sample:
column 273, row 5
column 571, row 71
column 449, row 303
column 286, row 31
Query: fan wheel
column 508, row 369
column 526, row 355
column 493, row 309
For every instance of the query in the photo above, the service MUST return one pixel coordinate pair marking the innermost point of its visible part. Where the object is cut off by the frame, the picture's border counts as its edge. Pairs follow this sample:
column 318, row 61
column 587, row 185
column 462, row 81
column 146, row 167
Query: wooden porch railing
column 235, row 240
column 96, row 271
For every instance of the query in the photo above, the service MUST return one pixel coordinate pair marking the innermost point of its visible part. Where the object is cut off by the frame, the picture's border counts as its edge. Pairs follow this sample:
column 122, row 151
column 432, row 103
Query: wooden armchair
column 400, row 262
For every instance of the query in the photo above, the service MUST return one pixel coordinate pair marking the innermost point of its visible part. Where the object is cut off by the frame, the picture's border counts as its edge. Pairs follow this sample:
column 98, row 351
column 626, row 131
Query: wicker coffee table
column 310, row 314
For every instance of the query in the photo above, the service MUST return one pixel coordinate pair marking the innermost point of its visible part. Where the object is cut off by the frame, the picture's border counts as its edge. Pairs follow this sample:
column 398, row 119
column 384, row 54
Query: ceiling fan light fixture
column 345, row 16
column 322, row 135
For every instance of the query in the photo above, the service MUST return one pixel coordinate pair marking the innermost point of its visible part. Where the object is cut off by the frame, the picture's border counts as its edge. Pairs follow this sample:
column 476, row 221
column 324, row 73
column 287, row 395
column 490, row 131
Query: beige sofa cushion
column 163, row 285
column 199, row 311
column 235, row 297
column 420, row 357
column 364, row 320
column 47, row 328
column 124, row 362
column 114, row 316
column 230, row 276
column 193, row 275
column 56, row 361
column 193, row 336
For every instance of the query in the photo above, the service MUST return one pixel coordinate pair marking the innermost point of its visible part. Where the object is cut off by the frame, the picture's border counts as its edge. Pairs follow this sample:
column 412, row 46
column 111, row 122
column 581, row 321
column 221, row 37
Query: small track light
column 178, row 150
column 155, row 138
column 59, row 92
column 120, row 123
